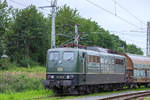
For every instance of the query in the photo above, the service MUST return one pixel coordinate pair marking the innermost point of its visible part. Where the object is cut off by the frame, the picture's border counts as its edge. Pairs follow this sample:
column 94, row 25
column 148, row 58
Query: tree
column 4, row 22
column 131, row 48
column 119, row 45
column 30, row 37
column 92, row 33
column 29, row 34
column 66, row 19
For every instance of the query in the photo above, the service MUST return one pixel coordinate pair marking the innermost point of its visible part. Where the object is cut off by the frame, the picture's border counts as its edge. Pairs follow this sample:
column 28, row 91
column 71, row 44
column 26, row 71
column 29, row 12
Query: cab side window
column 119, row 61
column 92, row 58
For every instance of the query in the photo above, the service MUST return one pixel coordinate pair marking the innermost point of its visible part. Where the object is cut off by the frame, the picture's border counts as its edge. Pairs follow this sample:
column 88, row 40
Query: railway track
column 127, row 96
column 121, row 96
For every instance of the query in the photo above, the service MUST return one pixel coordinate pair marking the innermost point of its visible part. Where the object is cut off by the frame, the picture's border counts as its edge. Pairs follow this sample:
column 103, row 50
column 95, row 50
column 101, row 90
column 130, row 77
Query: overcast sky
column 126, row 30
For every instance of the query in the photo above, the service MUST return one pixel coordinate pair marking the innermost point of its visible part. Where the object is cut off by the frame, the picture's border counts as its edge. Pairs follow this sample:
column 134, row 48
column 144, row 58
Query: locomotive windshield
column 68, row 56
column 54, row 56
column 62, row 61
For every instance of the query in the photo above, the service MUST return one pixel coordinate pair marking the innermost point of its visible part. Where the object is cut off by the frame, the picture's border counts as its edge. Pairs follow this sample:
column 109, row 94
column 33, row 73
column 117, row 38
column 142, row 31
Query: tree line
column 25, row 34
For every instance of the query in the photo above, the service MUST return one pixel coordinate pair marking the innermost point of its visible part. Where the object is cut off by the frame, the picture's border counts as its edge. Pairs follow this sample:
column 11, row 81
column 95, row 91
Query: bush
column 17, row 83
column 4, row 63
column 27, row 62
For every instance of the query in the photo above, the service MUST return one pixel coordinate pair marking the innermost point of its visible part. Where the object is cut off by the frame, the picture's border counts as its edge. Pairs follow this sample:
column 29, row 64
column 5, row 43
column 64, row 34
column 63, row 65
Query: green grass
column 32, row 69
column 27, row 95
column 147, row 98
column 22, row 79
column 19, row 83
column 39, row 69
column 46, row 95
column 26, row 84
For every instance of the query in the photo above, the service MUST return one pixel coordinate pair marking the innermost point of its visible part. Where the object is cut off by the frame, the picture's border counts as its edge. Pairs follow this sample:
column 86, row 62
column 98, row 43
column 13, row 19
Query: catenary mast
column 53, row 37
column 148, row 39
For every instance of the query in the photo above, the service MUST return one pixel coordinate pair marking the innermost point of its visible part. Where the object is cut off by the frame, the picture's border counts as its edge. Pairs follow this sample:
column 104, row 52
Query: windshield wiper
column 69, row 59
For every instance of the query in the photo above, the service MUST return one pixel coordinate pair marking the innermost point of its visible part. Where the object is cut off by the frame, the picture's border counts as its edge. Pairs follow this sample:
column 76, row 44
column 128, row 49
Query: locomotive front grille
column 59, row 77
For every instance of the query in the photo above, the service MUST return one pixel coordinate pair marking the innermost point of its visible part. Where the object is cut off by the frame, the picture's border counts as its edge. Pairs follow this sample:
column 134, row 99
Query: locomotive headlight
column 71, row 76
column 52, row 76
column 68, row 76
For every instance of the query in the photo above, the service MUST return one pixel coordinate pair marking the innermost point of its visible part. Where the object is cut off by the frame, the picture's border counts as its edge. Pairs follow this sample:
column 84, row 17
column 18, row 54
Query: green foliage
column 4, row 22
column 33, row 69
column 25, row 34
column 18, row 83
column 30, row 37
column 92, row 33
column 27, row 95
column 119, row 44
column 133, row 49
column 27, row 62
column 4, row 63
column 105, row 40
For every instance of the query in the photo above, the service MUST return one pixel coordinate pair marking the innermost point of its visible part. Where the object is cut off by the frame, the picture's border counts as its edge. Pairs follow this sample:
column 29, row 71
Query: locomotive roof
column 92, row 52
column 137, row 59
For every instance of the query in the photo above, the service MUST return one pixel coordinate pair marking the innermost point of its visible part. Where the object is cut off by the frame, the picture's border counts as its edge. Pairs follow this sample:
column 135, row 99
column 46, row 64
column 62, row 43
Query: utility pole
column 76, row 35
column 53, row 37
column 148, row 39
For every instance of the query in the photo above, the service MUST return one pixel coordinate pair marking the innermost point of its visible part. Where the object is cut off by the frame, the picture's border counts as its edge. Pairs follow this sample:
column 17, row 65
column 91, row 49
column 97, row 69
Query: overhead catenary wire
column 29, row 2
column 127, row 33
column 25, row 2
column 129, row 12
column 18, row 3
column 47, row 12
column 121, row 18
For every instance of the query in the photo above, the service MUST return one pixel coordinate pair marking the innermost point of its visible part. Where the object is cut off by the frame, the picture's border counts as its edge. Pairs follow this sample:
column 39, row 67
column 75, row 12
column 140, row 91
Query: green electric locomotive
column 74, row 70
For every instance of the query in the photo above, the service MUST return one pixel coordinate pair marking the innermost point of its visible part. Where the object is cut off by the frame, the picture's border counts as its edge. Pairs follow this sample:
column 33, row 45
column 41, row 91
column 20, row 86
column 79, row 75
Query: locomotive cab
column 61, row 61
column 63, row 68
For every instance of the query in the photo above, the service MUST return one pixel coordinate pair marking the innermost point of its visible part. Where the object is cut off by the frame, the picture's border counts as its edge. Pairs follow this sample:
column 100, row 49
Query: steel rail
column 127, row 96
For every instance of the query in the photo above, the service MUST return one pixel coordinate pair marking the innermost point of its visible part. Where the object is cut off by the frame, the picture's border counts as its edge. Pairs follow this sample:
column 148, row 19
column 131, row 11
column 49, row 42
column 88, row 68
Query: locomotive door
column 84, row 57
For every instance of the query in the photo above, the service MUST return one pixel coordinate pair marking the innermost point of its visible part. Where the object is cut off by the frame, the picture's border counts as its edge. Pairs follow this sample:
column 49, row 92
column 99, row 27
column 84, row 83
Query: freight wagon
column 138, row 70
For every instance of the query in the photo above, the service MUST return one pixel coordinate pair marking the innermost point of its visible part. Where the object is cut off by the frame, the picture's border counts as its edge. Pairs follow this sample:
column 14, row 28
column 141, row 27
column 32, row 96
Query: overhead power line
column 129, row 12
column 98, row 6
column 47, row 12
column 18, row 3
column 25, row 2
